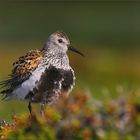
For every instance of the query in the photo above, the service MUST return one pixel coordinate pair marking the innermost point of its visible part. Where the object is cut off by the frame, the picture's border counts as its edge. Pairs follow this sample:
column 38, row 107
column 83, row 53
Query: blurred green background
column 107, row 32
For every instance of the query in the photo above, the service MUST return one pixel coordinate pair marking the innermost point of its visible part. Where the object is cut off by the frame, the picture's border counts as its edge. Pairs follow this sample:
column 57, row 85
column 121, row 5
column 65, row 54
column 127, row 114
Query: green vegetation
column 79, row 117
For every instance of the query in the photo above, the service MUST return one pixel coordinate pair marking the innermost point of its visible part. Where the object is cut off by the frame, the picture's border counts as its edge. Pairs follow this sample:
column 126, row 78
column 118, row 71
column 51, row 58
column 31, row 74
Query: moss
column 76, row 118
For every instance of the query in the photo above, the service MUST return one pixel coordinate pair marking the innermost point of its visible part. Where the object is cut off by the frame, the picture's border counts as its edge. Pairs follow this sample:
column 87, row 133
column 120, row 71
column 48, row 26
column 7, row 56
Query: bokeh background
column 106, row 31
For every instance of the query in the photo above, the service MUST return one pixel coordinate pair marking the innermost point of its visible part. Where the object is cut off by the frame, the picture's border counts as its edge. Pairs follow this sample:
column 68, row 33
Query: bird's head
column 60, row 42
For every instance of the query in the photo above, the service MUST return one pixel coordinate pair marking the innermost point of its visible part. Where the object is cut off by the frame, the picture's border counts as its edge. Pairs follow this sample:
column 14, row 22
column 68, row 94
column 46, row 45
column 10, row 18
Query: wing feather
column 22, row 69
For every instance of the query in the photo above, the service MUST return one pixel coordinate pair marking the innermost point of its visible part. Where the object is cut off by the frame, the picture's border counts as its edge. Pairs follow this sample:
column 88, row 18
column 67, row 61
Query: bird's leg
column 30, row 107
column 42, row 107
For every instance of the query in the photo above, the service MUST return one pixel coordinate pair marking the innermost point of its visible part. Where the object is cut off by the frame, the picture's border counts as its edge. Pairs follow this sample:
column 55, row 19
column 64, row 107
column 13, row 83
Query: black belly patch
column 68, row 80
column 50, row 83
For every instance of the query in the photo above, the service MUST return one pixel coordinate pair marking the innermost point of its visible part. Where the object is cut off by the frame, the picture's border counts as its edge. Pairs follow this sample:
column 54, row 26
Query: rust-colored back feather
column 26, row 64
column 22, row 69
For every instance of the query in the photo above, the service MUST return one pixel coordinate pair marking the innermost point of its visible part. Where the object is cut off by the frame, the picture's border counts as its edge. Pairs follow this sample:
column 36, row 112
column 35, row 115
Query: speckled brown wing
column 26, row 64
column 22, row 69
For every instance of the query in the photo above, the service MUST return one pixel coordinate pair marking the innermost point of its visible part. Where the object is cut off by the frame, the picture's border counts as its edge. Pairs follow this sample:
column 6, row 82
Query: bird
column 41, row 76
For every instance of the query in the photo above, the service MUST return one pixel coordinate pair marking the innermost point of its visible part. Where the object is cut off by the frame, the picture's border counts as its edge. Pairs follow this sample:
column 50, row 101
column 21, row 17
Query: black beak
column 74, row 50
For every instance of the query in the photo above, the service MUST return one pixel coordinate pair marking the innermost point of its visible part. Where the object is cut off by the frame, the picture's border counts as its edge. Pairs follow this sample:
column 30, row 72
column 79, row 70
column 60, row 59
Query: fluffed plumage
column 42, row 75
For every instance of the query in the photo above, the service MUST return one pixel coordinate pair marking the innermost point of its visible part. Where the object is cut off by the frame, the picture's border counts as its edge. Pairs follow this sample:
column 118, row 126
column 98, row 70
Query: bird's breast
column 51, row 84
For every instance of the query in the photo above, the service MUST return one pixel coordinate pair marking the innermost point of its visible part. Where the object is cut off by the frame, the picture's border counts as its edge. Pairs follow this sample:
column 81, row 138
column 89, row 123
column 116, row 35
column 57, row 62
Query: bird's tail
column 4, row 89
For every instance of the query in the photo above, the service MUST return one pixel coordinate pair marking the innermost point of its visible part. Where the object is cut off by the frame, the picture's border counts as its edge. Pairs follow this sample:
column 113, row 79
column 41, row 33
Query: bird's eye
column 60, row 40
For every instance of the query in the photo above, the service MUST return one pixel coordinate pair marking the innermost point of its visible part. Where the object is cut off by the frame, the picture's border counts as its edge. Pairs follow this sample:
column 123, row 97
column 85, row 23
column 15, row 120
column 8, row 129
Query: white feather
column 27, row 86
